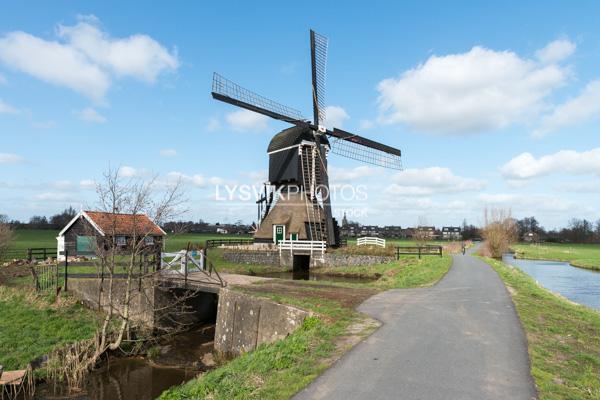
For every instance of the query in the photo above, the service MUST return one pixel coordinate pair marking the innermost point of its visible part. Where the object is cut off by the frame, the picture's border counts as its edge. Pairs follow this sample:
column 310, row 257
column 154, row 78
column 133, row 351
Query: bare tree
column 6, row 235
column 500, row 231
column 120, row 266
column 421, row 234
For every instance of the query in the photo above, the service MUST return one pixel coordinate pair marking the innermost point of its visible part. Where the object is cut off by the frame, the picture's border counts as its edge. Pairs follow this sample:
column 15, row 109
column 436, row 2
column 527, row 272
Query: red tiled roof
column 124, row 224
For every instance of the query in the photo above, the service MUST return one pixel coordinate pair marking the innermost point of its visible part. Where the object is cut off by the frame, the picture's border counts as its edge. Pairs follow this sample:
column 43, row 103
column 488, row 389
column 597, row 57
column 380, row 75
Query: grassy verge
column 407, row 272
column 281, row 369
column 579, row 255
column 563, row 338
column 32, row 326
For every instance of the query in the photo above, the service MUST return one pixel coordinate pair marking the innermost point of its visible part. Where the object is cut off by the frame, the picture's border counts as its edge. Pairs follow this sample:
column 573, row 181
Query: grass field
column 579, row 255
column 32, row 326
column 563, row 338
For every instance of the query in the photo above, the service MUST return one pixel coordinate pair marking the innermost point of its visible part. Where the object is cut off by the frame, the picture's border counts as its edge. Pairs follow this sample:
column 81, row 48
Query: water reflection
column 576, row 284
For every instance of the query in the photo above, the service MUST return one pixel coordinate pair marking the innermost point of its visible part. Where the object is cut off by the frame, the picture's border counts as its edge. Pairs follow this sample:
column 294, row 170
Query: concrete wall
column 152, row 307
column 252, row 257
column 244, row 322
column 330, row 259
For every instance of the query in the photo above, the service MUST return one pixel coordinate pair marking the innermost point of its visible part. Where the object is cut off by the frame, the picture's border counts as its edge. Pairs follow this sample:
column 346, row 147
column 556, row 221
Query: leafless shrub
column 6, row 236
column 500, row 231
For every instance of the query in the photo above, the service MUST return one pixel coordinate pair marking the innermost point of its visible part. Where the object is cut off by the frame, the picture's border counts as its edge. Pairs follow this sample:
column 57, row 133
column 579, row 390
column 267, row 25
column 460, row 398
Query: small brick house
column 89, row 230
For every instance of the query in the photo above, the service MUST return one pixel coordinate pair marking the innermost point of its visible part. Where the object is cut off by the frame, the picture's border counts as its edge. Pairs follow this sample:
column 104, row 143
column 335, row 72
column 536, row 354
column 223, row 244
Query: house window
column 121, row 240
column 149, row 240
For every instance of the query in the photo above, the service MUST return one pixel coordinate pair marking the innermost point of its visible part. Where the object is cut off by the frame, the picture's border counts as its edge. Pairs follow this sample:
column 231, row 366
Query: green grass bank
column 579, row 255
column 563, row 338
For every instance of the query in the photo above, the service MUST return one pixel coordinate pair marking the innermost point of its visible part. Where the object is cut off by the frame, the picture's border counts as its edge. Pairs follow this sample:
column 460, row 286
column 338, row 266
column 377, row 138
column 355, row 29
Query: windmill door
column 278, row 233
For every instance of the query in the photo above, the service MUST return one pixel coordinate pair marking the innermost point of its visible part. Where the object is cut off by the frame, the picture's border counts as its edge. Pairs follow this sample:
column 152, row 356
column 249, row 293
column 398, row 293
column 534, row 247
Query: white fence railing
column 368, row 240
column 182, row 260
column 311, row 246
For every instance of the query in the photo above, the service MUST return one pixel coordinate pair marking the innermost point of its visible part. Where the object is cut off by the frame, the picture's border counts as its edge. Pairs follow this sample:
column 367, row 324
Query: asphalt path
column 460, row 339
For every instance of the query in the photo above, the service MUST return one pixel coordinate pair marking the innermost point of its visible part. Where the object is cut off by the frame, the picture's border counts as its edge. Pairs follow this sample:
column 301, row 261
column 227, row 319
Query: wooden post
column 441, row 250
column 419, row 252
column 44, row 253
column 29, row 255
column 66, row 268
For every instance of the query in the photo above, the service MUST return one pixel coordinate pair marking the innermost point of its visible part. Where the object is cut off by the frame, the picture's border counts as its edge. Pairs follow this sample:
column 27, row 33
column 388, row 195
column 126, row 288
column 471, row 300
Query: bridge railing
column 369, row 240
column 304, row 246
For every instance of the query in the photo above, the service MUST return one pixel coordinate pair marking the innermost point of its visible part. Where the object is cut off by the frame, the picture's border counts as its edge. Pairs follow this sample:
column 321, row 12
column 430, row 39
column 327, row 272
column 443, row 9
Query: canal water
column 576, row 284
column 126, row 378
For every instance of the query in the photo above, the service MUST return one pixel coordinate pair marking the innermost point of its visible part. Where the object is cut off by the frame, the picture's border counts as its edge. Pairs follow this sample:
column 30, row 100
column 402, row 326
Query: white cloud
column 528, row 203
column 335, row 116
column 213, row 124
column 245, row 121
column 138, row 56
column 62, row 185
column 8, row 158
column 52, row 196
column 427, row 181
column 6, row 108
column 87, row 184
column 44, row 124
column 576, row 110
column 470, row 92
column 366, row 124
column 337, row 174
column 131, row 172
column 55, row 63
column 85, row 59
column 90, row 115
column 168, row 152
column 526, row 166
column 195, row 180
column 556, row 51
column 579, row 187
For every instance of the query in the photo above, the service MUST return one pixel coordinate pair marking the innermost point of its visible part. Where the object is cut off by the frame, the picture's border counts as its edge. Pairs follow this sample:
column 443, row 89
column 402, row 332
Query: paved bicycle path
column 460, row 339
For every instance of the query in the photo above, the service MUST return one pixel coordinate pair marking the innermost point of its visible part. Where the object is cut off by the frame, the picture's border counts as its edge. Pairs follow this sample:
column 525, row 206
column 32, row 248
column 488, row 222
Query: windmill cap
column 293, row 136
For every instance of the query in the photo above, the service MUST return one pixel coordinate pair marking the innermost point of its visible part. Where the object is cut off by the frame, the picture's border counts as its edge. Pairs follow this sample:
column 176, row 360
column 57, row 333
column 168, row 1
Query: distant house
column 451, row 233
column 531, row 237
column 427, row 232
column 222, row 231
column 92, row 230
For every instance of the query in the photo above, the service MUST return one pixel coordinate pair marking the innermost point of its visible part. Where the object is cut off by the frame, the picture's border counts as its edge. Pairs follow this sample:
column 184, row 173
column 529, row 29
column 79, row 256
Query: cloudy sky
column 491, row 106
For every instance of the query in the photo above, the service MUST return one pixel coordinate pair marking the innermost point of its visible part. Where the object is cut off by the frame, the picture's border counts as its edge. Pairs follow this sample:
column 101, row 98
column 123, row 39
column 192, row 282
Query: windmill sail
column 318, row 56
column 230, row 92
column 359, row 148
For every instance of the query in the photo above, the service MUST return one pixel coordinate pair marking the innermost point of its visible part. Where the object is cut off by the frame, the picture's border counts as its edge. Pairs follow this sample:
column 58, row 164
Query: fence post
column 66, row 268
column 441, row 249
column 397, row 253
column 419, row 252
column 29, row 255
column 44, row 253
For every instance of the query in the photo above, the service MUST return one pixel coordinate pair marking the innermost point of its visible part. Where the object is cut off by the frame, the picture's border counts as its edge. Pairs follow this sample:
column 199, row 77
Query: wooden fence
column 211, row 243
column 418, row 251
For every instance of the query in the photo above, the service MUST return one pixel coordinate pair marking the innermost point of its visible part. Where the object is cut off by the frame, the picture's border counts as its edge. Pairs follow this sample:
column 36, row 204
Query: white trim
column 75, row 218
column 302, row 143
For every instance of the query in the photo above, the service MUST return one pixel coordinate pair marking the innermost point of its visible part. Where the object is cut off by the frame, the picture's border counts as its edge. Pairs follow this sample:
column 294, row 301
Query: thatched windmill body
column 296, row 203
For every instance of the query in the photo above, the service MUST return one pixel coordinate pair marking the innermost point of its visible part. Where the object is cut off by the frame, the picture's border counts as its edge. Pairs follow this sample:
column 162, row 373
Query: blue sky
column 492, row 105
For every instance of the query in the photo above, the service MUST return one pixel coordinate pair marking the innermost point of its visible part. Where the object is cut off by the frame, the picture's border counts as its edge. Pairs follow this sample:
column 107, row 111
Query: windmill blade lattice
column 230, row 92
column 359, row 152
column 318, row 45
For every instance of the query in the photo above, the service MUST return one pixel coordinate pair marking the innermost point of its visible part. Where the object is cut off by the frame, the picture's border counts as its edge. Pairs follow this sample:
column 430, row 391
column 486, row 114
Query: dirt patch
column 15, row 270
column 348, row 298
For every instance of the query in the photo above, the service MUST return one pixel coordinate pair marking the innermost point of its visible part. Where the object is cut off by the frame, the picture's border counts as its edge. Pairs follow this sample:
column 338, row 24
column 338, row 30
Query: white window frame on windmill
column 275, row 232
column 293, row 235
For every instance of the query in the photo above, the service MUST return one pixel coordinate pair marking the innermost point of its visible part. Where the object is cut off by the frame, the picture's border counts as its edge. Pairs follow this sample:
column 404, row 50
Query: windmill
column 296, row 203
